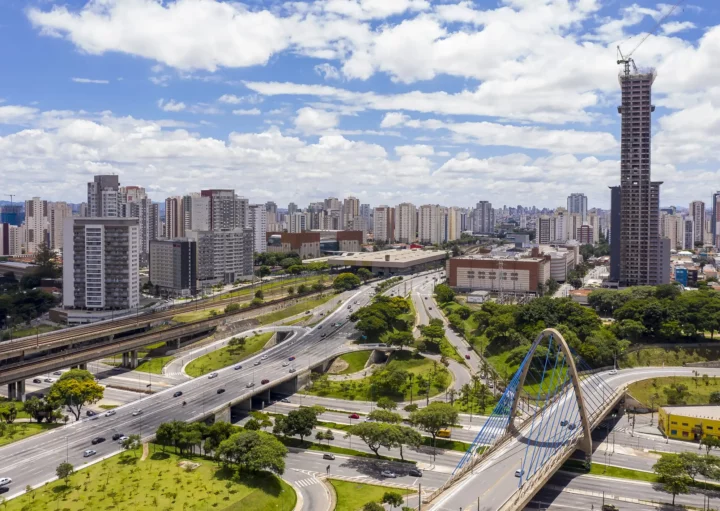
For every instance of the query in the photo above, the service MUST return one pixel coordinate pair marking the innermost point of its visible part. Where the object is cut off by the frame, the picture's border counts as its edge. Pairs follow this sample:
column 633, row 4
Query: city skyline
column 353, row 115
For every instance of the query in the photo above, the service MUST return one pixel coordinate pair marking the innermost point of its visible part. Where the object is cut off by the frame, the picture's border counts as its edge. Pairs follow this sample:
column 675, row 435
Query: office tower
column 545, row 230
column 271, row 209
column 405, row 222
column 561, row 226
column 173, row 267
column 36, row 224
column 174, row 218
column 103, row 194
column 258, row 224
column 366, row 213
column 384, row 224
column 59, row 211
column 332, row 204
column 577, row 203
column 292, row 208
column 148, row 217
column 484, row 218
column 225, row 210
column 128, row 195
column 697, row 213
column 223, row 257
column 673, row 228
column 594, row 221
column 640, row 248
column 12, row 215
column 101, row 266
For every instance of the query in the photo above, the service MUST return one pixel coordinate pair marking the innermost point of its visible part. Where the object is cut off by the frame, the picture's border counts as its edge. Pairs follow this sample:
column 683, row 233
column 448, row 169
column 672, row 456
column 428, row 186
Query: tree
column 671, row 472
column 64, row 470
column 259, row 294
column 385, row 416
column 401, row 338
column 373, row 506
column 298, row 422
column 346, row 281
column 232, row 307
column 444, row 294
column 263, row 271
column 364, row 274
column 386, row 403
column 131, row 443
column 75, row 393
column 291, row 290
column 165, row 435
column 434, row 417
column 392, row 498
column 252, row 425
column 8, row 412
column 398, row 436
column 47, row 266
column 374, row 434
column 40, row 409
column 715, row 398
column 262, row 418
column 253, row 451
column 710, row 442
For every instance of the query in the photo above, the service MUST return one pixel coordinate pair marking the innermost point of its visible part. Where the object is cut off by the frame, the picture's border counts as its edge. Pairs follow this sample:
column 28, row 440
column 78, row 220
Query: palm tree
column 482, row 394
column 411, row 377
column 451, row 394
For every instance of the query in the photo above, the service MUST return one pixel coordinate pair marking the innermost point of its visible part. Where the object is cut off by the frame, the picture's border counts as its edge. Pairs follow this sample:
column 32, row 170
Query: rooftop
column 396, row 258
column 696, row 412
column 581, row 292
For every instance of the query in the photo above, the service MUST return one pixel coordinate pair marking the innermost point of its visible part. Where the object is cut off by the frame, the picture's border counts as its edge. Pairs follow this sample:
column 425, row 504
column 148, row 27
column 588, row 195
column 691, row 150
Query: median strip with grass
column 298, row 308
column 312, row 446
column 355, row 360
column 164, row 481
column 227, row 356
column 10, row 433
column 352, row 496
column 153, row 365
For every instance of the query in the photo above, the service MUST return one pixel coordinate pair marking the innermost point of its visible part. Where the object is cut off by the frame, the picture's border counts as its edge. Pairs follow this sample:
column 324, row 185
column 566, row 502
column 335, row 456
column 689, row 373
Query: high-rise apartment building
column 128, row 195
column 197, row 212
column 243, row 214
column 148, row 215
column 9, row 239
column 384, row 224
column 641, row 252
column 697, row 213
column 350, row 210
column 454, row 223
column 103, row 196
column 174, row 218
column 258, row 224
column 405, row 223
column 715, row 220
column 484, row 218
column 299, row 222
column 293, row 208
column 332, row 204
column 37, row 224
column 673, row 228
column 545, row 230
column 227, row 211
column 59, row 211
column 271, row 209
column 101, row 263
column 173, row 267
column 432, row 224
column 577, row 203
column 689, row 234
column 223, row 257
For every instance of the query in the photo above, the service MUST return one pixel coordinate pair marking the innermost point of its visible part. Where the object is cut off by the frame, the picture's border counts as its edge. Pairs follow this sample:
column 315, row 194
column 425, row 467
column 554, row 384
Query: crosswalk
column 304, row 483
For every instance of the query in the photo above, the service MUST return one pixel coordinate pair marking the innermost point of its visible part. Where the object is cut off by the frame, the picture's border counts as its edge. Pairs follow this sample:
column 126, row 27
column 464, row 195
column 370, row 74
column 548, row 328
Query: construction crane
column 11, row 197
column 626, row 59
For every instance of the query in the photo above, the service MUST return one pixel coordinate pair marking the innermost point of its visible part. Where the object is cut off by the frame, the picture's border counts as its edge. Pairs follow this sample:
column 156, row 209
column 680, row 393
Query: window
column 684, row 423
column 673, row 422
column 709, row 427
column 673, row 431
column 684, row 433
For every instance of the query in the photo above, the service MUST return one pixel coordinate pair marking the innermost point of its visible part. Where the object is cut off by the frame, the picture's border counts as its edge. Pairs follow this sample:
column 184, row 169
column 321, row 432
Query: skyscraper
column 384, row 224
column 577, row 203
column 103, row 196
column 715, row 221
column 350, row 209
column 226, row 210
column 697, row 212
column 640, row 249
column 174, row 218
column 271, row 209
column 59, row 211
column 258, row 224
column 484, row 218
column 36, row 224
column 406, row 223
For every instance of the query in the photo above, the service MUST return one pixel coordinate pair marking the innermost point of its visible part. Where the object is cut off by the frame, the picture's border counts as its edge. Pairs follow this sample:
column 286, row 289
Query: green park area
column 152, row 358
column 19, row 430
column 406, row 376
column 189, row 317
column 280, row 287
column 352, row 496
column 676, row 390
column 298, row 308
column 355, row 361
column 236, row 351
column 163, row 481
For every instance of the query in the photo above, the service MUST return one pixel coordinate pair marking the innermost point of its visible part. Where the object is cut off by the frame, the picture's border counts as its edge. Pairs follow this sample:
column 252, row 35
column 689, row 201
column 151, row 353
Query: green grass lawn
column 108, row 407
column 189, row 317
column 154, row 365
column 669, row 357
column 698, row 391
column 403, row 360
column 356, row 361
column 276, row 287
column 293, row 321
column 298, row 308
column 26, row 332
column 312, row 446
column 352, row 496
column 224, row 357
column 159, row 484
column 19, row 406
column 19, row 430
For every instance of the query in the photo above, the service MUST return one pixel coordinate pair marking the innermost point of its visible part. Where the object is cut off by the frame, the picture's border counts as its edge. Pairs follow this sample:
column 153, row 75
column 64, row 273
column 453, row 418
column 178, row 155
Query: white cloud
column 171, row 105
column 251, row 111
column 15, row 114
column 414, row 150
column 90, row 80
column 673, row 27
column 230, row 99
column 393, row 119
column 327, row 71
column 310, row 120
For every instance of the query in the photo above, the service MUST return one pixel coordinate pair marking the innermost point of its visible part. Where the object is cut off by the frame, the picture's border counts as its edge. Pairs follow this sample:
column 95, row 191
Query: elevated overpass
column 518, row 456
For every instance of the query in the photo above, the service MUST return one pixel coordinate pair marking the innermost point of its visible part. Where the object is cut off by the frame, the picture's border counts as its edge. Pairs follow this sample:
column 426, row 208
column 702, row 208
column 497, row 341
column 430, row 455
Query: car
column 238, row 367
column 319, row 327
column 519, row 472
column 292, row 370
column 284, row 400
column 137, row 412
column 355, row 301
column 212, row 375
column 426, row 297
column 48, row 380
column 353, row 416
column 122, row 439
column 89, row 413
column 563, row 423
column 89, row 452
column 467, row 356
column 285, row 364
column 323, row 335
column 250, row 384
column 388, row 473
column 117, row 436
column 291, row 359
column 264, row 357
column 349, row 306
column 613, row 371
column 265, row 381
column 257, row 363
column 178, row 393
column 37, row 380
column 57, row 373
column 97, row 440
column 307, row 312
column 328, row 456
column 220, row 391
column 571, row 426
column 415, row 472
column 110, row 413
column 4, row 481
column 430, row 308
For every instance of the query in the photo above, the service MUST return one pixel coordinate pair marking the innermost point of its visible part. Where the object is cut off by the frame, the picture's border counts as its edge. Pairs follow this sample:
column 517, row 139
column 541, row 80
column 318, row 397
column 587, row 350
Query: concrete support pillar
column 223, row 415
column 12, row 391
column 244, row 405
column 83, row 366
column 133, row 359
column 125, row 359
column 20, row 391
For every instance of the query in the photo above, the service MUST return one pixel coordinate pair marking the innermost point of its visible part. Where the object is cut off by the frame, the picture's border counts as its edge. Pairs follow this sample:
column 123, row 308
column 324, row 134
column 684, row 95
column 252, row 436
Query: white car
column 49, row 380
column 285, row 364
column 292, row 369
column 137, row 412
column 122, row 439
column 110, row 413
column 519, row 472
column 614, row 371
column 4, row 481
column 388, row 473
column 250, row 384
column 212, row 375
column 264, row 357
column 88, row 453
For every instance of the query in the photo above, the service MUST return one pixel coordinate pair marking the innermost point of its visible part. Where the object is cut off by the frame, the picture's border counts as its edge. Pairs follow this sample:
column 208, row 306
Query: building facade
column 577, row 203
column 173, row 267
column 384, row 224
column 697, row 213
column 59, row 211
column 223, row 257
column 37, row 224
column 101, row 263
column 524, row 275
column 258, row 223
column 405, row 223
column 103, row 196
column 484, row 218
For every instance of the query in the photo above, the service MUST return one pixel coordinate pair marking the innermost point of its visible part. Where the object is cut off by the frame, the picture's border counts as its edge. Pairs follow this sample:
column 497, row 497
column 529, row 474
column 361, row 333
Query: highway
column 494, row 481
column 32, row 461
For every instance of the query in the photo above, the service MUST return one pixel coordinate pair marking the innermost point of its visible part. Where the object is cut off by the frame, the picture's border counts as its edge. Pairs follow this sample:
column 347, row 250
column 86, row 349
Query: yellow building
column 689, row 422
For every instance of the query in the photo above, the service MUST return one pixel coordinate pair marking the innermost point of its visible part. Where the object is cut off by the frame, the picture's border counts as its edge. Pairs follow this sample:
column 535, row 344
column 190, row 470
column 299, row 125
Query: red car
column 264, row 382
column 467, row 357
column 353, row 416
column 291, row 359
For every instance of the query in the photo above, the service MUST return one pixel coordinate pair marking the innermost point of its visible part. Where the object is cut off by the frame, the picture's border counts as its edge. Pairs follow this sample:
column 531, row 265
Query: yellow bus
column 444, row 433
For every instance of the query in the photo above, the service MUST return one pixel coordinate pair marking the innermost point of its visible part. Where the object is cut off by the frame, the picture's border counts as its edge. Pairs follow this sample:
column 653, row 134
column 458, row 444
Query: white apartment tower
column 350, row 210
column 59, row 211
column 258, row 224
column 384, row 224
column 697, row 213
column 405, row 222
column 432, row 224
column 36, row 224
column 103, row 196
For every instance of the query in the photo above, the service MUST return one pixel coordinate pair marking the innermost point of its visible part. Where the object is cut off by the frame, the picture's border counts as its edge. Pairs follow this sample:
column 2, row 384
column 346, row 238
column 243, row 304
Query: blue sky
column 389, row 100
